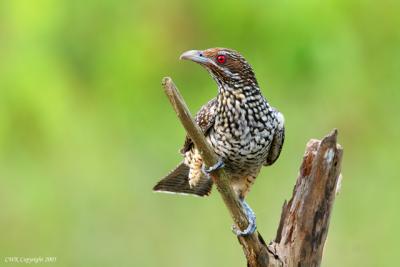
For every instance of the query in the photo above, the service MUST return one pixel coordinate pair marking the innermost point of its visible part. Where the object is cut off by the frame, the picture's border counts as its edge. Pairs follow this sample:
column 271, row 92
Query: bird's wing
column 205, row 118
column 277, row 142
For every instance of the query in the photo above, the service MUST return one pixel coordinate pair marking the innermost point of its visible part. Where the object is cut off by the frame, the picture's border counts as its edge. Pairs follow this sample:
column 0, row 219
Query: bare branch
column 305, row 218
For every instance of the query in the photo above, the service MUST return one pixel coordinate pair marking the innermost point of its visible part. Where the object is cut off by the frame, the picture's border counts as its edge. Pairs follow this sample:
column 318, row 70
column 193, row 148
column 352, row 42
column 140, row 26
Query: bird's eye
column 221, row 59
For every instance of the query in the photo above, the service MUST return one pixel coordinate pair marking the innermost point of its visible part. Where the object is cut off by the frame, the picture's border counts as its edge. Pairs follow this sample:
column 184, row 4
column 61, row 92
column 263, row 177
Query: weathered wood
column 305, row 218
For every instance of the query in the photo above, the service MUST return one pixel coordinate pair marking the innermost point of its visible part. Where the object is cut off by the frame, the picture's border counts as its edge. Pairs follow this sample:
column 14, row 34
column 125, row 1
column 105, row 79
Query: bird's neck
column 238, row 92
column 239, row 100
column 239, row 110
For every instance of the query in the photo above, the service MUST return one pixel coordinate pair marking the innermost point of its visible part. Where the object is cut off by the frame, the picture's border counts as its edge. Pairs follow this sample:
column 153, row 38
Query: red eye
column 221, row 59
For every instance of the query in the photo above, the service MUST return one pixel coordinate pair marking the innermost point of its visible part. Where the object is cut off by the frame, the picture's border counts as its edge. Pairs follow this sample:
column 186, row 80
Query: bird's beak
column 195, row 56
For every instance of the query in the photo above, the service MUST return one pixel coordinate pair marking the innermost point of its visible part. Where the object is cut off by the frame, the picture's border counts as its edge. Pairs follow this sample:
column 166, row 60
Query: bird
column 244, row 130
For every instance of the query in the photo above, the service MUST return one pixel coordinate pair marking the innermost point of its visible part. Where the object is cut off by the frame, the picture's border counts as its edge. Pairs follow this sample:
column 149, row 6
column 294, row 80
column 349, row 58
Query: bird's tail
column 177, row 182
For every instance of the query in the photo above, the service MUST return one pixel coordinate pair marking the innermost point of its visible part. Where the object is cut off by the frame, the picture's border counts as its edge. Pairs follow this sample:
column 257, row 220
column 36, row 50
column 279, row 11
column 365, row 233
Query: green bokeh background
column 86, row 131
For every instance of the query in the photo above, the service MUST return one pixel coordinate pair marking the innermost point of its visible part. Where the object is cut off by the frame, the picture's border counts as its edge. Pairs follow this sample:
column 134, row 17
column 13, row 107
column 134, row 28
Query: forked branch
column 305, row 218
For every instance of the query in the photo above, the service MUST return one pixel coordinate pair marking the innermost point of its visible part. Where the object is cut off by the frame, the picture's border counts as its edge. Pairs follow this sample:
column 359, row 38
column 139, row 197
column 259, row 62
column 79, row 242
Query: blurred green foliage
column 86, row 131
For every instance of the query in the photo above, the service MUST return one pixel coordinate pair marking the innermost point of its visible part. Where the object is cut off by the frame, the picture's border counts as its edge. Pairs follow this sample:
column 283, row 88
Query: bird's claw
column 251, row 217
column 220, row 164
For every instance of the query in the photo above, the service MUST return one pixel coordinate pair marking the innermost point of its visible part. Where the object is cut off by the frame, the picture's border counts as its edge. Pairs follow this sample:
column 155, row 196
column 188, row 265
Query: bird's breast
column 242, row 134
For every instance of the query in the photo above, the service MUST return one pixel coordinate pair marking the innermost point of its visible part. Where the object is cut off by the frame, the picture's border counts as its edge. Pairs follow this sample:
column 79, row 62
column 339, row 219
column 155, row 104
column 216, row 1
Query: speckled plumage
column 241, row 126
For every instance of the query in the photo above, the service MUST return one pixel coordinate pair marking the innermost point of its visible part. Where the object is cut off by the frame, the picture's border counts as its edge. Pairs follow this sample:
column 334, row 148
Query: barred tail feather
column 177, row 182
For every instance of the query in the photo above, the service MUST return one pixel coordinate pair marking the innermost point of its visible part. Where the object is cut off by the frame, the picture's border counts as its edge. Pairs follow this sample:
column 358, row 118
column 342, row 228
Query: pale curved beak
column 195, row 56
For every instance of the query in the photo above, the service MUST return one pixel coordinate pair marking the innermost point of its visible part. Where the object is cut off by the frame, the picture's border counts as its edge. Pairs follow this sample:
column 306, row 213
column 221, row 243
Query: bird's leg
column 251, row 217
column 220, row 164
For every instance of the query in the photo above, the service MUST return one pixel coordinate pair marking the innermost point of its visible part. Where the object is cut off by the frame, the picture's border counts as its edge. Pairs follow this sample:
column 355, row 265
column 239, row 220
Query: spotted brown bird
column 242, row 128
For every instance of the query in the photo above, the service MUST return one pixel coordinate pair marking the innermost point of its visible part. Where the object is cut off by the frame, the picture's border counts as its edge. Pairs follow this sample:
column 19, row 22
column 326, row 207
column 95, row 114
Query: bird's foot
column 220, row 164
column 251, row 217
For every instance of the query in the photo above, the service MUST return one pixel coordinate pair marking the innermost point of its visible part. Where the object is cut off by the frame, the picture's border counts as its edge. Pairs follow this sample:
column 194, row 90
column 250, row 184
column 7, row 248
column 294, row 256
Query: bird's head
column 226, row 66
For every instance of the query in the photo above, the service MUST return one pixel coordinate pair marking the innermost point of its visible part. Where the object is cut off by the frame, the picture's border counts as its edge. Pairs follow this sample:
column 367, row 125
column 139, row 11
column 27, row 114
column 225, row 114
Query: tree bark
column 305, row 217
